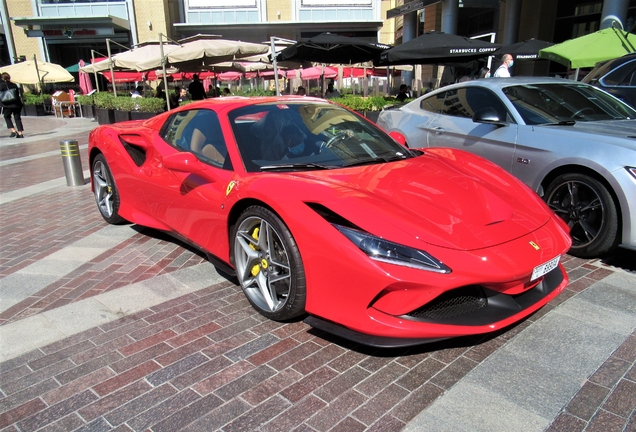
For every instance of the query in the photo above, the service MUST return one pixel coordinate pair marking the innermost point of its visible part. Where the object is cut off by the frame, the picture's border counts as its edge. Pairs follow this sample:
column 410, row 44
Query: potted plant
column 148, row 107
column 34, row 104
column 368, row 107
column 86, row 103
column 105, row 108
column 123, row 106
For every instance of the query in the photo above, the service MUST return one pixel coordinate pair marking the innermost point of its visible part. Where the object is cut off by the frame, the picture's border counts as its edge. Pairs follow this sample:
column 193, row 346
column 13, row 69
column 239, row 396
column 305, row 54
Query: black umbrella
column 436, row 48
column 526, row 50
column 332, row 48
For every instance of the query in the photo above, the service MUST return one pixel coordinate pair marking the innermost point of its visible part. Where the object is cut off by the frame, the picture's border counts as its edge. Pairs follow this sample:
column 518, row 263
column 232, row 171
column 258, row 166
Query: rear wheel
column 106, row 194
column 268, row 264
column 587, row 207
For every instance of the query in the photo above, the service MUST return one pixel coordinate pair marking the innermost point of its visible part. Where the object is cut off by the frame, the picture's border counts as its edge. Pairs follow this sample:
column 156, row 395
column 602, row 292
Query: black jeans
column 16, row 115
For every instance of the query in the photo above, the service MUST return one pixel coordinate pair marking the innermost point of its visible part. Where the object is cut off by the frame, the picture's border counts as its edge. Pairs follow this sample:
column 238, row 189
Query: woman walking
column 11, row 106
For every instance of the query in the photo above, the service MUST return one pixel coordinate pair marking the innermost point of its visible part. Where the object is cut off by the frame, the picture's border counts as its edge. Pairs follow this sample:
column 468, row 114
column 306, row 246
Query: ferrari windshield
column 291, row 136
column 558, row 103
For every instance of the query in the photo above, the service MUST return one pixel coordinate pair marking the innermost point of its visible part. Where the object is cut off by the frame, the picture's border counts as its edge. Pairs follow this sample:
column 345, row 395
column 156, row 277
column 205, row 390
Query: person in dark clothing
column 174, row 98
column 12, row 108
column 294, row 139
column 196, row 90
column 403, row 94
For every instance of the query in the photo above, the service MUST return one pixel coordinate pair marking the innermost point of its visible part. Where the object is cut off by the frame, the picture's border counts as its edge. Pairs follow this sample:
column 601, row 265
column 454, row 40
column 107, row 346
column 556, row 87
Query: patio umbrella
column 332, row 48
column 86, row 86
column 525, row 50
column 35, row 72
column 130, row 60
column 204, row 50
column 436, row 48
column 586, row 51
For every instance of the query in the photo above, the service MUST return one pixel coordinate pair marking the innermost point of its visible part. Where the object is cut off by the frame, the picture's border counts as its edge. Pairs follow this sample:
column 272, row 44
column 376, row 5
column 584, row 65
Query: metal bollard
column 72, row 163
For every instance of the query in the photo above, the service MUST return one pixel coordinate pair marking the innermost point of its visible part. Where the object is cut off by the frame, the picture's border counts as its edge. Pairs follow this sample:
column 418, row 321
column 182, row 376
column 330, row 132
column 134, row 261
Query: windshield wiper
column 283, row 167
column 561, row 123
column 376, row 160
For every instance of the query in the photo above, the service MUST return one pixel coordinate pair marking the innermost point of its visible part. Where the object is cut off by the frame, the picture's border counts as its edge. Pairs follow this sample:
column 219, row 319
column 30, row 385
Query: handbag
column 9, row 96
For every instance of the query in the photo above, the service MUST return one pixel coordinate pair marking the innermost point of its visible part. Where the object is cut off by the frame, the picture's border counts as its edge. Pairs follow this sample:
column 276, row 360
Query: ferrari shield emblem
column 230, row 186
column 534, row 245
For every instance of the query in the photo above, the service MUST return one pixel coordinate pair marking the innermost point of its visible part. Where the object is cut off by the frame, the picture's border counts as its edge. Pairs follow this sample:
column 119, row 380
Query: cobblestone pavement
column 124, row 328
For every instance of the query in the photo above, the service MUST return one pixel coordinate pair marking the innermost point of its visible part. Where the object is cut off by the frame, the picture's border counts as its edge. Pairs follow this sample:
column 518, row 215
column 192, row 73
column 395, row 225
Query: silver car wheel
column 262, row 264
column 103, row 187
column 588, row 208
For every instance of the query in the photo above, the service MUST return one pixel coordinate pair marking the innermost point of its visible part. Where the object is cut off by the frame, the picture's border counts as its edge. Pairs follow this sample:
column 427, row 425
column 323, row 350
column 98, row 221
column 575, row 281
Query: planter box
column 372, row 115
column 87, row 111
column 105, row 116
column 34, row 110
column 121, row 116
column 138, row 115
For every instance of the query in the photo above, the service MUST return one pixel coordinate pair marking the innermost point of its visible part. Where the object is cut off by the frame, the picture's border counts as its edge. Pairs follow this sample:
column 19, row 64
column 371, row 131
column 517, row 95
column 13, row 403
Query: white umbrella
column 204, row 51
column 129, row 60
column 35, row 72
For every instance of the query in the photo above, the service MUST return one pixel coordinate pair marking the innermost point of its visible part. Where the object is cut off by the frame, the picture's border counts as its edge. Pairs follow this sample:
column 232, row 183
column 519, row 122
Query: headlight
column 382, row 250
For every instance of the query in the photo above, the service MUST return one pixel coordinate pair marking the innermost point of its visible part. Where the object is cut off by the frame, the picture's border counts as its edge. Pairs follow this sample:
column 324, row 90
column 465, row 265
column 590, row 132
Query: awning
column 74, row 28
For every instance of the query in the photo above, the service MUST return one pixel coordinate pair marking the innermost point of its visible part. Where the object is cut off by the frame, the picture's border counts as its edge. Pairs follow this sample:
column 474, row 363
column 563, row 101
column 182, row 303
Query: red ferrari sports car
column 318, row 212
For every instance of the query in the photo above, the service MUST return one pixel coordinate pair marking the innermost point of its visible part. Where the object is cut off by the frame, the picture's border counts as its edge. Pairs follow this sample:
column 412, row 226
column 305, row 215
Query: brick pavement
column 206, row 360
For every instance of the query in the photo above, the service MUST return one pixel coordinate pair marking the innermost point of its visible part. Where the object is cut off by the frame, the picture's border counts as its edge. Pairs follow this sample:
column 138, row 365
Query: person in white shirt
column 331, row 92
column 503, row 71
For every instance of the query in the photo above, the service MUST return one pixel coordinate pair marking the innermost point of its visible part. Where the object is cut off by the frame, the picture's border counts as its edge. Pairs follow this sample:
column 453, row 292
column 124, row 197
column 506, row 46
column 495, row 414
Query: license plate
column 545, row 268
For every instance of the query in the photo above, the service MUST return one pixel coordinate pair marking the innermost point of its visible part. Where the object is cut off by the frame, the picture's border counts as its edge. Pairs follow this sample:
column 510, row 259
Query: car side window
column 464, row 102
column 621, row 76
column 433, row 103
column 199, row 132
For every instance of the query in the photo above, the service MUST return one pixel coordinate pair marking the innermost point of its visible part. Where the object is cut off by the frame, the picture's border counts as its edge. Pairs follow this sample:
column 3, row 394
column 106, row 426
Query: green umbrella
column 586, row 51
column 73, row 68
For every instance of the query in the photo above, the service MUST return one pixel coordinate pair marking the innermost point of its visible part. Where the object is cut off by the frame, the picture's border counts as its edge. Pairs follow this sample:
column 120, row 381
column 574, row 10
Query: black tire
column 269, row 269
column 105, row 191
column 588, row 208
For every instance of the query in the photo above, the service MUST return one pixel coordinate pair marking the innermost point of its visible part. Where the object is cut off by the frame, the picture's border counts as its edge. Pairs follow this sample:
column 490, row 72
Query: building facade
column 64, row 31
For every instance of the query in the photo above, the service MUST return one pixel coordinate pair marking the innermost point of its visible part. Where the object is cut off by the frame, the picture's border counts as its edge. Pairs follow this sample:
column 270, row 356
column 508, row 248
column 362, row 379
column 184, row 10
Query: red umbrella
column 84, row 80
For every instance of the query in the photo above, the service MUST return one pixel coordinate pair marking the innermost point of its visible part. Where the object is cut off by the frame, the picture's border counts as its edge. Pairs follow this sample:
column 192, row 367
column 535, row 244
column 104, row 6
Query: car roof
column 499, row 83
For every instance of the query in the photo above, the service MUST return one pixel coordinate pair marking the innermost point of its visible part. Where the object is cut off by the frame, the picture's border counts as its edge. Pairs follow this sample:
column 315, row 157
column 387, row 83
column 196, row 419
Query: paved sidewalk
column 123, row 328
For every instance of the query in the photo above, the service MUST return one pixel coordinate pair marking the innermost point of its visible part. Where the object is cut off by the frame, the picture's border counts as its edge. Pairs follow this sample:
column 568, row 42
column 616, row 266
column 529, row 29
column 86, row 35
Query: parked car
column 573, row 144
column 317, row 211
column 617, row 77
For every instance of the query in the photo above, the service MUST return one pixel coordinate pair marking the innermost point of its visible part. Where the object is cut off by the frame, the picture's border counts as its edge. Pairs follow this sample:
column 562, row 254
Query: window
column 624, row 75
column 199, row 132
column 433, row 103
column 464, row 102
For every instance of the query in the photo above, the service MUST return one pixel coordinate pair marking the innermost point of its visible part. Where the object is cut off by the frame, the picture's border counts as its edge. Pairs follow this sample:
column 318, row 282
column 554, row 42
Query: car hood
column 623, row 129
column 447, row 198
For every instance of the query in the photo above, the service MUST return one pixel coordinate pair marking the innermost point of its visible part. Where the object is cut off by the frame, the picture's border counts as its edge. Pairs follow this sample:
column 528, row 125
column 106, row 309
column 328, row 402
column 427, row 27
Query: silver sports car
column 573, row 144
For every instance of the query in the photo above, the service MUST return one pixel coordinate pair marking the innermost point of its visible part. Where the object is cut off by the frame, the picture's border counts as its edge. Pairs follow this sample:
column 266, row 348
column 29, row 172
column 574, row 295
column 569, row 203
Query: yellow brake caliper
column 257, row 267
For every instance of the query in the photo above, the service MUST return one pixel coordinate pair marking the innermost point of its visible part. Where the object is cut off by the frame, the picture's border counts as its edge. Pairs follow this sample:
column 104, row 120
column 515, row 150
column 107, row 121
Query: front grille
column 453, row 303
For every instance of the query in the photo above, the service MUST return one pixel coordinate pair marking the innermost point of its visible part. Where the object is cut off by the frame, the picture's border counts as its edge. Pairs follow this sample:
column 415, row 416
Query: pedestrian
column 484, row 72
column 227, row 92
column 11, row 105
column 301, row 91
column 196, row 90
column 183, row 95
column 503, row 71
column 331, row 92
column 174, row 97
column 139, row 91
column 403, row 94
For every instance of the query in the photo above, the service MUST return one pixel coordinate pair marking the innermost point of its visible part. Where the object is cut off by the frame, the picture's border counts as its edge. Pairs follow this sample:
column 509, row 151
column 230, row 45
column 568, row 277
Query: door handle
column 439, row 130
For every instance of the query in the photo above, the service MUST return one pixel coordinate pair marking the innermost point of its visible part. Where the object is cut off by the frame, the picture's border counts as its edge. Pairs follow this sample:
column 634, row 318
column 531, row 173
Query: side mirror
column 187, row 162
column 399, row 138
column 489, row 116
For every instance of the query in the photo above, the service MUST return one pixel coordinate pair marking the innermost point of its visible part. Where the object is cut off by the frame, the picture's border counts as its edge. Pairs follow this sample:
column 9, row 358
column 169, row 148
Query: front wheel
column 106, row 193
column 268, row 264
column 587, row 207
